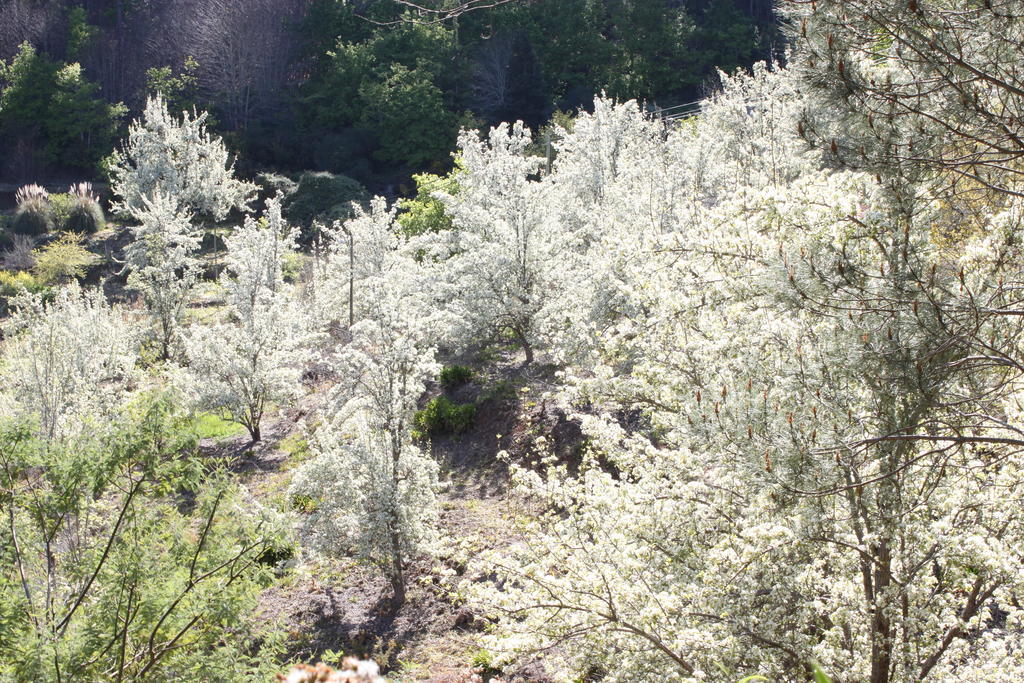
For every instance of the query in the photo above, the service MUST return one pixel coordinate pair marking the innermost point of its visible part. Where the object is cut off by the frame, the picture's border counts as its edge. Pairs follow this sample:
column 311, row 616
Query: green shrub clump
column 62, row 260
column 455, row 375
column 324, row 196
column 442, row 416
column 34, row 215
column 274, row 185
column 12, row 284
column 84, row 213
column 60, row 208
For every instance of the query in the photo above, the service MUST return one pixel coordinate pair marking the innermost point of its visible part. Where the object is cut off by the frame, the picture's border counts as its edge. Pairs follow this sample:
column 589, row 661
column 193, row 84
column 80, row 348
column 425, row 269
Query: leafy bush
column 304, row 503
column 455, row 375
column 272, row 185
column 292, row 265
column 424, row 213
column 192, row 574
column 407, row 112
column 484, row 664
column 34, row 215
column 12, row 284
column 322, row 195
column 60, row 208
column 442, row 416
column 51, row 106
column 62, row 260
column 84, row 215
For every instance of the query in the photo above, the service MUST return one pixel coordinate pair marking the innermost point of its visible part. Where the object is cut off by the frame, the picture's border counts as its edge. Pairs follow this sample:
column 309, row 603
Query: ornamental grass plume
column 34, row 215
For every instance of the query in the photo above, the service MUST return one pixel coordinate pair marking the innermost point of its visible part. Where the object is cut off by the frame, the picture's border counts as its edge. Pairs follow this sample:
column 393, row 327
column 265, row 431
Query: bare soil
column 339, row 605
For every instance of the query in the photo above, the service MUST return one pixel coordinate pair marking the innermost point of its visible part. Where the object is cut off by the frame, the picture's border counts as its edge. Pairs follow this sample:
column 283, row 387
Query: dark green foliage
column 389, row 88
column 273, row 185
column 407, row 112
column 347, row 149
column 526, row 96
column 81, row 34
column 442, row 416
column 374, row 93
column 455, row 375
column 181, row 90
column 502, row 390
column 55, row 108
column 77, row 210
column 276, row 555
column 322, row 195
column 33, row 217
column 402, row 85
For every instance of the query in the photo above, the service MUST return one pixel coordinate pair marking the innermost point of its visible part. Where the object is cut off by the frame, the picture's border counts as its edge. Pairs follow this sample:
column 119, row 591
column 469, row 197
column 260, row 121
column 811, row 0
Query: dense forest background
column 370, row 89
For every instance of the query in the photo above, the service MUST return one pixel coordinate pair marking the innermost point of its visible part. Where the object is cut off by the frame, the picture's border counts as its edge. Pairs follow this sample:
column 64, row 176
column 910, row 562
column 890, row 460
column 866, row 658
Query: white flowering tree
column 362, row 247
column 66, row 362
column 161, row 264
column 253, row 359
column 374, row 486
column 493, row 267
column 255, row 258
column 179, row 159
column 822, row 461
column 374, row 496
column 868, row 61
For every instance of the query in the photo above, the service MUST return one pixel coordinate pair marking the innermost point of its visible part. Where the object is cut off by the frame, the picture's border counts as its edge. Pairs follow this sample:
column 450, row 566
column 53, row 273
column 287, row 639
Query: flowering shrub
column 179, row 160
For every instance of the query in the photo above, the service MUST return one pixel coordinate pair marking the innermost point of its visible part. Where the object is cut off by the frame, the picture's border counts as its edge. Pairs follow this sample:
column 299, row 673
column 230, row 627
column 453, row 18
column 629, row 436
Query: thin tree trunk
column 881, row 625
column 525, row 343
column 397, row 573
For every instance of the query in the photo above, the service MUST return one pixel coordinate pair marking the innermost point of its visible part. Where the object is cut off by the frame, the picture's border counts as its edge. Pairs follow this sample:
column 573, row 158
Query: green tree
column 181, row 90
column 108, row 575
column 27, row 85
column 81, row 34
column 80, row 128
column 381, row 82
column 425, row 213
column 55, row 108
column 407, row 112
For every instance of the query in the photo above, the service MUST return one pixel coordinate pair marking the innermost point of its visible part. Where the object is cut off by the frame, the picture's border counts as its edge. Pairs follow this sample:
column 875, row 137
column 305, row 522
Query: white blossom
column 178, row 159
column 161, row 264
column 255, row 358
column 67, row 362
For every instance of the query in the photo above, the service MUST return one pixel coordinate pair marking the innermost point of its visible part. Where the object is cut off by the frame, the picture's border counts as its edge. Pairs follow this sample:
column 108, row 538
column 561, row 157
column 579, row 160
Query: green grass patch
column 502, row 390
column 214, row 426
column 296, row 449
